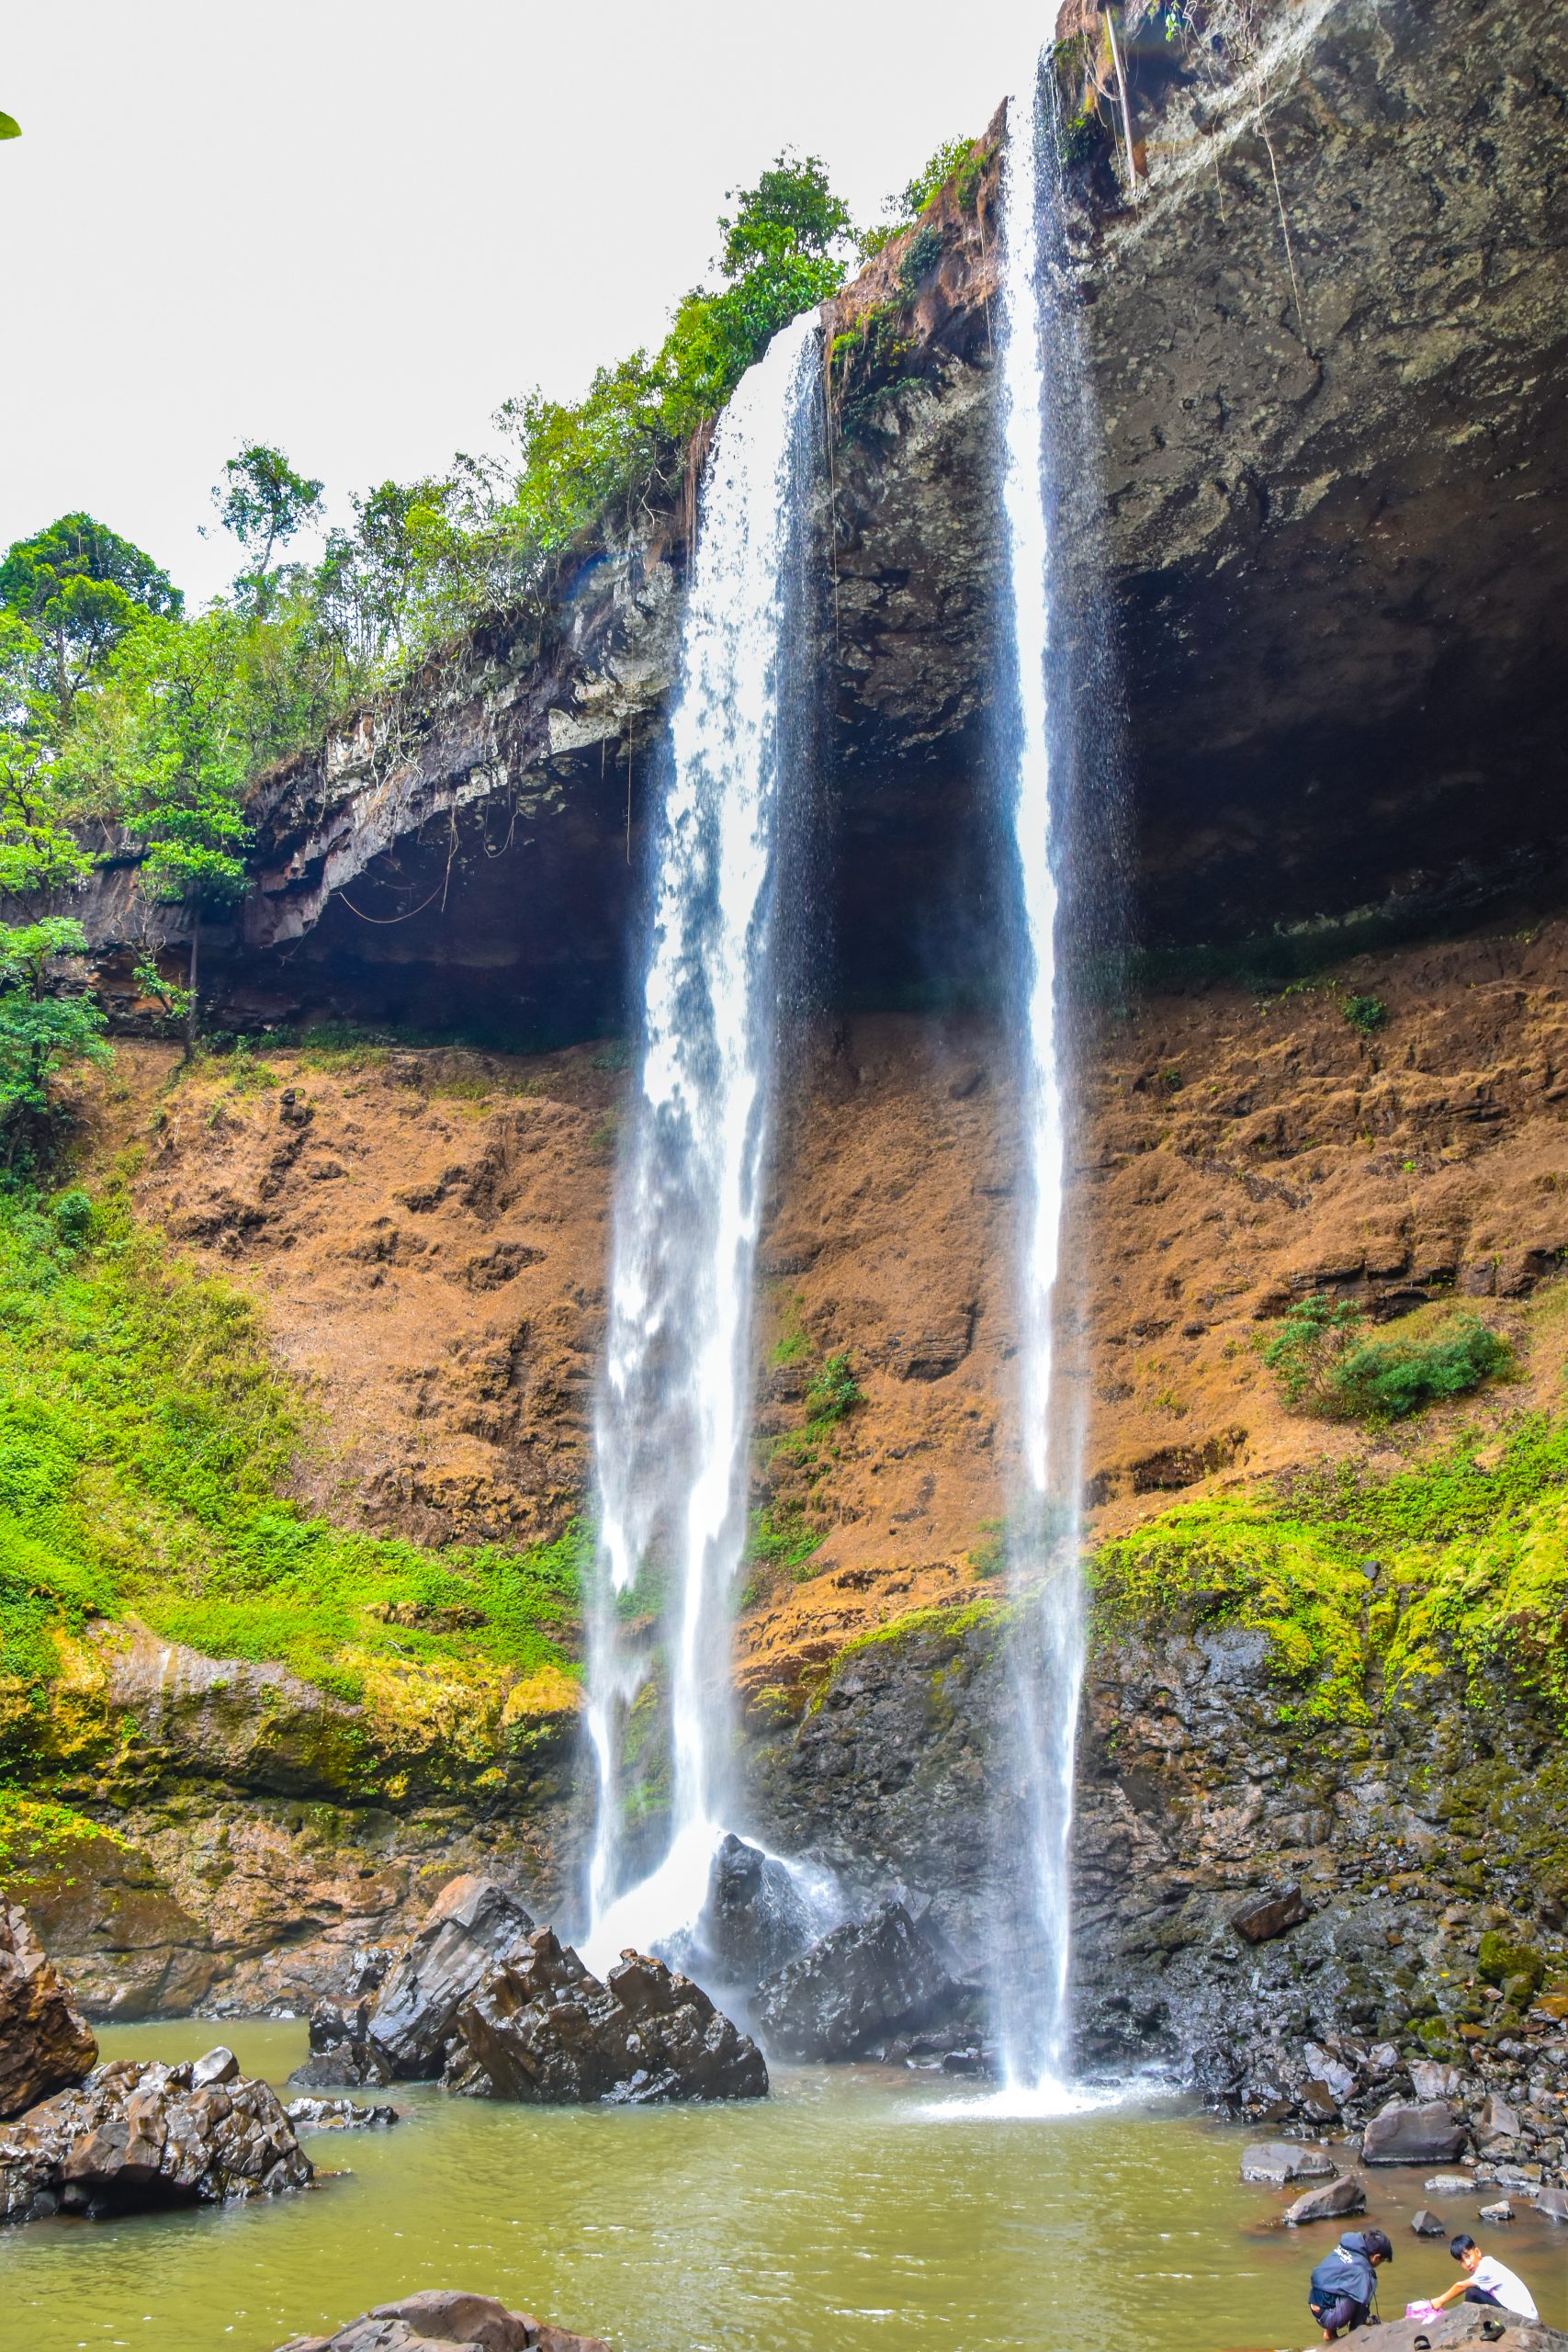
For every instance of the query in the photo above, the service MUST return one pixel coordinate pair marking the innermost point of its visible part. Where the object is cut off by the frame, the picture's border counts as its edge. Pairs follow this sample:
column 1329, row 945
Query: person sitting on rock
column 1344, row 2285
column 1487, row 2280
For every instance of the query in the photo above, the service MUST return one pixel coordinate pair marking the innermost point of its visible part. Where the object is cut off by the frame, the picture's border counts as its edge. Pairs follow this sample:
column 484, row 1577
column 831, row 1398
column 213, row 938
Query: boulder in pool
column 755, row 1917
column 143, row 2134
column 1423, row 2134
column 405, row 2033
column 44, row 2043
column 469, row 1925
column 1348, row 2194
column 540, row 2028
column 857, row 1985
column 439, row 2317
column 1273, row 2163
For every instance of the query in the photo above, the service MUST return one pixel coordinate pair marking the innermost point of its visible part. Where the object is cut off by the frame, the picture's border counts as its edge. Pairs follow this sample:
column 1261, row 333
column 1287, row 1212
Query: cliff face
column 1325, row 361
column 425, row 1233
column 1325, row 357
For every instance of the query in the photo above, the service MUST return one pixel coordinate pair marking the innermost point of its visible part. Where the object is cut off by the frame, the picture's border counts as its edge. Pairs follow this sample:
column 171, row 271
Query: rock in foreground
column 1478, row 2325
column 440, row 2317
column 866, row 1979
column 135, row 2135
column 540, row 2028
column 44, row 2044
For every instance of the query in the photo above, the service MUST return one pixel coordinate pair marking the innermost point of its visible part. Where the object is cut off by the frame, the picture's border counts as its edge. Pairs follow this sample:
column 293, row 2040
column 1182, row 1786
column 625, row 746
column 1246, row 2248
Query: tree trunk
column 191, row 983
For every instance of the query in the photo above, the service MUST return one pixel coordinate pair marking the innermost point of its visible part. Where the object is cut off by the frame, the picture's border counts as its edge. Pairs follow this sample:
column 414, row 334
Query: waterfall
column 673, row 1417
column 1045, row 1647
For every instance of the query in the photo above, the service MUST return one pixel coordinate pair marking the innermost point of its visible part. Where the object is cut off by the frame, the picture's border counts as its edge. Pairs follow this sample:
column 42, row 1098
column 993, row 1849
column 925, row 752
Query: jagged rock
column 1497, row 2120
column 44, row 2044
column 867, row 1979
column 1273, row 2162
column 1432, row 2080
column 1449, row 2184
column 406, row 2033
column 1413, row 2135
column 219, row 2065
column 440, row 2317
column 471, row 1922
column 336, row 2115
column 138, row 2134
column 1346, row 2194
column 1501, row 2212
column 540, row 2026
column 755, row 1917
column 1427, row 2225
column 341, row 2048
column 1271, row 1914
column 1554, row 2203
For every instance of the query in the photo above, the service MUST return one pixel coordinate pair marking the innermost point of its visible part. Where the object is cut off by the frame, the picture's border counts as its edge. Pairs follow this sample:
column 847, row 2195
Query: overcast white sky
column 353, row 227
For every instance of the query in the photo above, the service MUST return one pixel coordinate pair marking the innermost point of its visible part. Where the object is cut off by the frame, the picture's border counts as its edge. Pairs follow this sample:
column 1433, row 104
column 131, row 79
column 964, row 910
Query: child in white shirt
column 1488, row 2281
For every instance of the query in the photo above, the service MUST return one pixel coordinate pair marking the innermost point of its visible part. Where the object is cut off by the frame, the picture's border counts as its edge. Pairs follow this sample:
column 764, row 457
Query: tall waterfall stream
column 674, row 1413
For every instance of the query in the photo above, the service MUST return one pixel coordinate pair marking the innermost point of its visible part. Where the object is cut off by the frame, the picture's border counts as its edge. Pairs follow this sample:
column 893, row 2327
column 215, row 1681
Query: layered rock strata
column 44, row 2042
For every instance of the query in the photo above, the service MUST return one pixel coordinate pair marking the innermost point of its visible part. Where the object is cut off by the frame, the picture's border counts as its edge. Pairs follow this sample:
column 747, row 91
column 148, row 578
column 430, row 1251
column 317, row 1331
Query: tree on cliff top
column 264, row 502
column 77, row 588
column 179, row 748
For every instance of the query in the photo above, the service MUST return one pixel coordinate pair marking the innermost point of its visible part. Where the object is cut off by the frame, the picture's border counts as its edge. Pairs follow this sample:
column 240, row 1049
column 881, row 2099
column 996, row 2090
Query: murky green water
column 842, row 2213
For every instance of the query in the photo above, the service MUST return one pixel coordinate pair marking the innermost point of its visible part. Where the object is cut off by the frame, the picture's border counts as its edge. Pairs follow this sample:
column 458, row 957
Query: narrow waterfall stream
column 1046, row 1643
column 674, row 1409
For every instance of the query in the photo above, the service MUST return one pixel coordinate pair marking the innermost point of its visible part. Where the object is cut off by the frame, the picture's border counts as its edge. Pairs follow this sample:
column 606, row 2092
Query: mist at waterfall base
column 1055, row 740
column 673, row 1421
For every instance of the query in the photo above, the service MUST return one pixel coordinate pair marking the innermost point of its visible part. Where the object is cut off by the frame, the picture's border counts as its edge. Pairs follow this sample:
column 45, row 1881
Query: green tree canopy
column 792, row 212
column 77, row 587
column 264, row 502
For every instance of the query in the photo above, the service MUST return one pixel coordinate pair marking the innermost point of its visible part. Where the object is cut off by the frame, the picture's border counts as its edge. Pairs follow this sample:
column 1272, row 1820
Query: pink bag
column 1420, row 2311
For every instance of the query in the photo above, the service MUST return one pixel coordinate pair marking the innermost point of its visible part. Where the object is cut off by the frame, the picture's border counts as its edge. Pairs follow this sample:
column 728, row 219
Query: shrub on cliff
column 1325, row 1365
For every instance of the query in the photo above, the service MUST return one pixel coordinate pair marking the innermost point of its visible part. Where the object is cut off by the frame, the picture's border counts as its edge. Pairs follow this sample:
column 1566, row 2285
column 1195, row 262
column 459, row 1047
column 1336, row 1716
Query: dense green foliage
column 145, row 1437
column 42, row 1028
column 1455, row 1560
column 1327, row 1364
column 114, row 704
column 955, row 157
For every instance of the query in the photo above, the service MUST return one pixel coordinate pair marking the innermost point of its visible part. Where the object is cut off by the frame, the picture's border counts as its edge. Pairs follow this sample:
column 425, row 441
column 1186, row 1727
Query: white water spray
column 673, row 1418
column 1047, row 1645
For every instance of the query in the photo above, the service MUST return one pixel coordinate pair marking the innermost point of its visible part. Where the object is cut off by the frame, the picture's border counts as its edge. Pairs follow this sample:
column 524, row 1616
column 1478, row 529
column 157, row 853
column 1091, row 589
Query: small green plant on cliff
column 833, row 1393
column 954, row 158
column 146, row 1438
column 1366, row 1015
column 1327, row 1364
column 780, row 1535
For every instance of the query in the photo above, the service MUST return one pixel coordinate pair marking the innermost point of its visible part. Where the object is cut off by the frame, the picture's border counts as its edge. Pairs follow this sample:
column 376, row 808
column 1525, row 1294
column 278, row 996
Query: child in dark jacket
column 1344, row 2285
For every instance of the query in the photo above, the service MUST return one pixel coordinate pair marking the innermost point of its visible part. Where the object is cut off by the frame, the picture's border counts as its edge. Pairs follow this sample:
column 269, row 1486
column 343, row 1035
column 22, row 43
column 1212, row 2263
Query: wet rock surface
column 436, row 2316
column 1410, row 1838
column 541, row 2029
column 755, row 1917
column 858, row 1986
column 135, row 2135
column 44, row 2042
column 470, row 1924
column 338, row 2115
